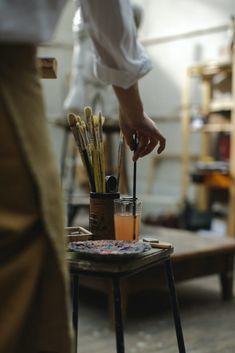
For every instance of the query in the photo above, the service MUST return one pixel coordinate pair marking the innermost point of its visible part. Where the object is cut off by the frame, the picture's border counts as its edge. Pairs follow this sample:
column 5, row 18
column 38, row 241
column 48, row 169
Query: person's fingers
column 162, row 142
column 142, row 143
column 149, row 148
column 129, row 139
column 148, row 136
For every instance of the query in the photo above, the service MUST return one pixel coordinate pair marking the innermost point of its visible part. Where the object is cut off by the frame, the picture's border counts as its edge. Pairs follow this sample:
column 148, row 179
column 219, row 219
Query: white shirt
column 120, row 58
column 84, row 87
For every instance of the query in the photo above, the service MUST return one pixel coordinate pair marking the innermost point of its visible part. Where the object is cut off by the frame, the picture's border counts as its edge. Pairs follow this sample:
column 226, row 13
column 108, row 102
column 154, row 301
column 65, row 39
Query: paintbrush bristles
column 79, row 120
column 87, row 112
column 88, row 135
column 72, row 119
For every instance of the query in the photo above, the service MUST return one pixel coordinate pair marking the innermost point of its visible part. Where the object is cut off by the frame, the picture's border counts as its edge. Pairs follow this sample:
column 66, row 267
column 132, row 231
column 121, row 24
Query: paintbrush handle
column 134, row 191
column 89, row 170
column 161, row 245
column 155, row 243
column 120, row 155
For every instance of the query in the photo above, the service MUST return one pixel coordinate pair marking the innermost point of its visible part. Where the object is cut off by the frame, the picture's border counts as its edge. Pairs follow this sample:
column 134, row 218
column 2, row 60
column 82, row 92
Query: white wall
column 55, row 89
column 162, row 88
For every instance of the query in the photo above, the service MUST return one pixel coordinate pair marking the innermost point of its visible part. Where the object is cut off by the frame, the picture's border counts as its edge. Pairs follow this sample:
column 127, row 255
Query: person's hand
column 148, row 135
column 133, row 120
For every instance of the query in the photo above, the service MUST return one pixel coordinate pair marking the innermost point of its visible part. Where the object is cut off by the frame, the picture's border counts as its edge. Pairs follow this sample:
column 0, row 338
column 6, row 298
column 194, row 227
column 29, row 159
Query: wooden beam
column 47, row 67
column 210, row 69
column 185, row 137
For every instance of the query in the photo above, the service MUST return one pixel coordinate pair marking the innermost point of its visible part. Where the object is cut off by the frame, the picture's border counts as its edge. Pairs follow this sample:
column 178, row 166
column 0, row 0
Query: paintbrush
column 101, row 153
column 120, row 154
column 93, row 144
column 134, row 190
column 88, row 114
column 72, row 120
column 95, row 158
column 76, row 127
column 89, row 138
column 85, row 154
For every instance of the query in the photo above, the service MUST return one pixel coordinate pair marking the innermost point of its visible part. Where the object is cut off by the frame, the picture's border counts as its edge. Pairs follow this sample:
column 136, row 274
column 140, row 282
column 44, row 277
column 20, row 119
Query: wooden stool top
column 119, row 267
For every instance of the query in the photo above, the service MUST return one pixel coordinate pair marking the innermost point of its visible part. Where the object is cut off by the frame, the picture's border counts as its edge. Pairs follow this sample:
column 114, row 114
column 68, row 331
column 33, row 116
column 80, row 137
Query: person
column 34, row 311
column 84, row 87
column 122, row 61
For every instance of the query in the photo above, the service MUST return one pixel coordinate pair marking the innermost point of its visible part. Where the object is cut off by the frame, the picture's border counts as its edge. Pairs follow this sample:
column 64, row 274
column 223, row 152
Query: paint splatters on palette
column 109, row 248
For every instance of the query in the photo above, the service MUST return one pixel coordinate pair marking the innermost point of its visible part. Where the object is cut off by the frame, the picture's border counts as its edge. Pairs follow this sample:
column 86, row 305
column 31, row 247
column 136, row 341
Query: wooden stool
column 115, row 270
column 194, row 257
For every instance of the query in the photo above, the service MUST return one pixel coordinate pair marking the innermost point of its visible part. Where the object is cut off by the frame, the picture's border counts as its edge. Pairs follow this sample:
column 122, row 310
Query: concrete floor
column 208, row 322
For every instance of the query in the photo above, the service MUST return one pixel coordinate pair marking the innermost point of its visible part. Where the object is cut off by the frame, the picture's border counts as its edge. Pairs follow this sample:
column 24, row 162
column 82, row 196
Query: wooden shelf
column 213, row 180
column 210, row 69
column 221, row 106
column 214, row 128
column 223, row 122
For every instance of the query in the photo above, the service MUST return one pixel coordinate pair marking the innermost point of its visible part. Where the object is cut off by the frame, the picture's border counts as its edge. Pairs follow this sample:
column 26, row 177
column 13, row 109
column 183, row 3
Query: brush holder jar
column 101, row 218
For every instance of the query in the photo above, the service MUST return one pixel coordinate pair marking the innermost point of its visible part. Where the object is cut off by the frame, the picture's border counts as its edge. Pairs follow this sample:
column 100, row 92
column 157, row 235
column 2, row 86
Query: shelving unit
column 206, row 75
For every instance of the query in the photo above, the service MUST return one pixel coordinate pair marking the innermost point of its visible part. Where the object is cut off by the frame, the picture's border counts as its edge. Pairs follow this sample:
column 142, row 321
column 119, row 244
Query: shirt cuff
column 118, row 77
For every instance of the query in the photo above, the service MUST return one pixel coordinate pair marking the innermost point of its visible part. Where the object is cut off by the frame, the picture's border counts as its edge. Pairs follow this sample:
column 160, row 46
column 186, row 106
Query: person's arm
column 133, row 120
column 121, row 61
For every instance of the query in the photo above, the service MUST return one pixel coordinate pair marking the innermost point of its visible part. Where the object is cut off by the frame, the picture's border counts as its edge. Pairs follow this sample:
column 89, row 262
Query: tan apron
column 34, row 314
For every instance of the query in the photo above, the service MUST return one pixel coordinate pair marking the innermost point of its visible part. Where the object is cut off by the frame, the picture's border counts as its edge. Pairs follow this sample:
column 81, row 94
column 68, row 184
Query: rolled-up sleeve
column 120, row 59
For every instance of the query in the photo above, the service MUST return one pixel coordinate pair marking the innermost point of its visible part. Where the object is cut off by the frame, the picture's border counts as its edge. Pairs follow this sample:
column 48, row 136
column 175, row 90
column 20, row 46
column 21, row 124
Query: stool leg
column 118, row 315
column 175, row 306
column 226, row 278
column 75, row 288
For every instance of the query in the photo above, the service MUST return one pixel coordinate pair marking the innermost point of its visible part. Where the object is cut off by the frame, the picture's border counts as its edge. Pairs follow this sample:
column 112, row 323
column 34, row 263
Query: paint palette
column 109, row 248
